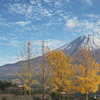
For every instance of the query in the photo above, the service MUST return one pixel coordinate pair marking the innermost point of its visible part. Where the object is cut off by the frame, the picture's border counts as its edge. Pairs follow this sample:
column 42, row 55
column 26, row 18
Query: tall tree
column 43, row 70
column 27, row 73
column 61, row 72
column 87, row 69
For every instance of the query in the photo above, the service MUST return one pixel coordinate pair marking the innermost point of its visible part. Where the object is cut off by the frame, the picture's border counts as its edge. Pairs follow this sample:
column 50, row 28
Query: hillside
column 91, row 42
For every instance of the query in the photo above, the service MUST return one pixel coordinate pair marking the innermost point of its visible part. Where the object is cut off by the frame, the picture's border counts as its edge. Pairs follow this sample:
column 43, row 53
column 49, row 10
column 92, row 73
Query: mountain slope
column 88, row 41
column 91, row 42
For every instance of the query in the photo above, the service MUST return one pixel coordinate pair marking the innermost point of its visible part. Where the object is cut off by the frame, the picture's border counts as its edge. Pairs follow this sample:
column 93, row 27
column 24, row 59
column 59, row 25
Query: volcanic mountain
column 88, row 41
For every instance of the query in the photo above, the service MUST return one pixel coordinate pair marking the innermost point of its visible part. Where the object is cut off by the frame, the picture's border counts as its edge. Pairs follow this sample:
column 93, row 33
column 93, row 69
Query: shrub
column 14, row 90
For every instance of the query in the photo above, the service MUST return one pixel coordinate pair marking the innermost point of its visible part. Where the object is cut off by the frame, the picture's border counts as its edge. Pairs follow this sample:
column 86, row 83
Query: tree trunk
column 43, row 97
column 30, row 96
column 59, row 96
column 68, row 97
column 86, row 98
column 43, row 87
column 43, row 71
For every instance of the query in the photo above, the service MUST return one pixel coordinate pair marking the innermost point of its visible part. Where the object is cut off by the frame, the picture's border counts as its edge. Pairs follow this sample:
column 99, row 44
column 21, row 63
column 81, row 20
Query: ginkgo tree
column 43, row 70
column 27, row 73
column 61, row 72
column 87, row 69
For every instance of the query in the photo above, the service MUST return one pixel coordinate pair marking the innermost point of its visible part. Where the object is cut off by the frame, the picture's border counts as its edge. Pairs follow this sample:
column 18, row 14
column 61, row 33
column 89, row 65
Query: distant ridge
column 91, row 42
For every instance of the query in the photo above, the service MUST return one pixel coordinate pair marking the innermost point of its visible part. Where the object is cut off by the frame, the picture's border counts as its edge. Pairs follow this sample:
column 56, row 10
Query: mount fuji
column 91, row 42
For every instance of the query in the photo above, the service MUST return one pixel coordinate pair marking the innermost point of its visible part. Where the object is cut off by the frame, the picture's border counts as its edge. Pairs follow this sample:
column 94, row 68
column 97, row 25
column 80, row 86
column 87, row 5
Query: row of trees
column 4, row 85
column 60, row 73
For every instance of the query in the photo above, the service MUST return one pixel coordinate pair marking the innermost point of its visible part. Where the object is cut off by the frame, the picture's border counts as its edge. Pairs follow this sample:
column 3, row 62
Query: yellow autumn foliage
column 87, row 69
column 27, row 73
column 61, row 72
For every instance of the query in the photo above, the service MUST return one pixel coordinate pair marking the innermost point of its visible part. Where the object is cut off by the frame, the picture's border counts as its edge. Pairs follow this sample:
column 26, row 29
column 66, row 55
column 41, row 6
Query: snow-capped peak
column 88, row 41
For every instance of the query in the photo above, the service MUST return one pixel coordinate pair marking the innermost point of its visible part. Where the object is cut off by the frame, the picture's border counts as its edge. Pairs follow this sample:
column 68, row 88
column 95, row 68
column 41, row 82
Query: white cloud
column 37, row 9
column 58, row 3
column 23, row 23
column 90, row 26
column 11, row 43
column 47, row 0
column 17, row 8
column 11, row 40
column 29, row 10
column 86, row 24
column 50, row 43
column 70, row 23
column 68, row 0
column 14, row 43
column 5, row 24
column 97, row 29
column 92, row 15
column 1, row 18
column 3, row 38
column 32, row 2
column 45, row 12
column 89, row 2
column 8, row 60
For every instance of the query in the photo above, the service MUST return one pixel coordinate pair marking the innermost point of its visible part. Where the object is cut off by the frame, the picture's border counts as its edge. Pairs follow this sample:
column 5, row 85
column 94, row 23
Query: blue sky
column 57, row 22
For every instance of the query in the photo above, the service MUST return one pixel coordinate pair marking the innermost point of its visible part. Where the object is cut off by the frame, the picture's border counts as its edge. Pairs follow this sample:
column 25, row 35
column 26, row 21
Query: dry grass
column 23, row 97
column 36, row 97
column 13, row 97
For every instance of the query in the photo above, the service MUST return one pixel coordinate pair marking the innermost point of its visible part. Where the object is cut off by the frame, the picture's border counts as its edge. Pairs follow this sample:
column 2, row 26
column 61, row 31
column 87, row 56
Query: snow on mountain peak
column 88, row 41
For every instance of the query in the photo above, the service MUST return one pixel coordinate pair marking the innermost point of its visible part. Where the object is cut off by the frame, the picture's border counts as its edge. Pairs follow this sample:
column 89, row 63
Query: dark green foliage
column 54, row 96
column 5, row 84
column 1, row 91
